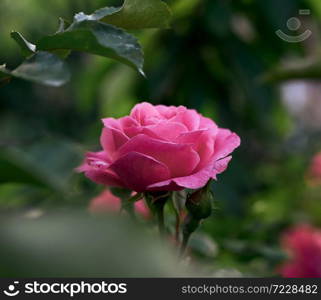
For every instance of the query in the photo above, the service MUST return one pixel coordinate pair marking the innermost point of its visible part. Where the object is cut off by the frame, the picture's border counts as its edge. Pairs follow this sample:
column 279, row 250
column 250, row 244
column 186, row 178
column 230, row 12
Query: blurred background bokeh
column 221, row 57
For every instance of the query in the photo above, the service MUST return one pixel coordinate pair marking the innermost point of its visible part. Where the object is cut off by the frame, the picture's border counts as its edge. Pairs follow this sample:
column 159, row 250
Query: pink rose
column 303, row 243
column 106, row 202
column 160, row 148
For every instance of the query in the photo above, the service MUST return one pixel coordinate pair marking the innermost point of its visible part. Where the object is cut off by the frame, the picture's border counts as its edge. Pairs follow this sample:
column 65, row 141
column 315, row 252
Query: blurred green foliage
column 213, row 59
column 49, row 246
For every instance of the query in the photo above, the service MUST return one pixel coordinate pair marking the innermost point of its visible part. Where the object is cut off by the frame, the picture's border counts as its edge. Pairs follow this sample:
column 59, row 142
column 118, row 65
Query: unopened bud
column 199, row 204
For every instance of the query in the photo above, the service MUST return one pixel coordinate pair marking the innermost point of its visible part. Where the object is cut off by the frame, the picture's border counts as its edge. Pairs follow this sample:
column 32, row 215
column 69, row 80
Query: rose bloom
column 303, row 244
column 314, row 171
column 160, row 148
column 106, row 202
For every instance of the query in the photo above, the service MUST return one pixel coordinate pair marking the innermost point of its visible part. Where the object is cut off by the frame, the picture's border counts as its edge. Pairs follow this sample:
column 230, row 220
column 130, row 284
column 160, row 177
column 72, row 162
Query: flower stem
column 184, row 245
column 177, row 227
column 160, row 219
column 157, row 201
column 190, row 225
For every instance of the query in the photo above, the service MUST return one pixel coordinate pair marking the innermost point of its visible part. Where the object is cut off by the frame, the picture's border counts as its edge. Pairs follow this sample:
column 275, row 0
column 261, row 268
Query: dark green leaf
column 97, row 38
column 12, row 170
column 63, row 24
column 26, row 47
column 43, row 67
column 139, row 14
column 134, row 14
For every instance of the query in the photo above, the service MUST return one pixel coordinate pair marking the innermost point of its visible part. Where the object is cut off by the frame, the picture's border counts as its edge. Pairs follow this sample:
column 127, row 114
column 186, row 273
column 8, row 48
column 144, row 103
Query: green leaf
column 26, row 47
column 140, row 14
column 97, row 38
column 97, row 15
column 179, row 200
column 63, row 24
column 49, row 163
column 134, row 14
column 42, row 67
column 12, row 170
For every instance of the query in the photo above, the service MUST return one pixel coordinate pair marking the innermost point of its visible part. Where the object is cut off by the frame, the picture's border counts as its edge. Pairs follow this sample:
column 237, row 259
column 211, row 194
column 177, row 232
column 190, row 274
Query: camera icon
column 294, row 24
column 12, row 292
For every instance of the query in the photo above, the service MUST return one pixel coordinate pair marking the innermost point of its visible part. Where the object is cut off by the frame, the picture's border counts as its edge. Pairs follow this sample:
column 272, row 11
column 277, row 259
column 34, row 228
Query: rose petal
column 181, row 159
column 96, row 168
column 111, row 122
column 165, row 130
column 195, row 181
column 167, row 185
column 133, row 131
column 98, row 160
column 189, row 117
column 112, row 139
column 167, row 111
column 106, row 177
column 202, row 142
column 128, row 121
column 125, row 125
column 206, row 123
column 220, row 166
column 139, row 170
column 225, row 142
column 143, row 112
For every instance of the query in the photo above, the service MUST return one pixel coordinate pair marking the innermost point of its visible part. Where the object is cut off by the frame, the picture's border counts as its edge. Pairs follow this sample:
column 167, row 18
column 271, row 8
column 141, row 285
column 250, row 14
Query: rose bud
column 199, row 204
column 199, row 207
